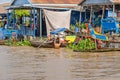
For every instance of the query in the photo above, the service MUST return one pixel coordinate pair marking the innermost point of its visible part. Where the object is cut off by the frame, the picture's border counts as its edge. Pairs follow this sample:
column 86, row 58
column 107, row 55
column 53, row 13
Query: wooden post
column 95, row 44
column 34, row 23
column 41, row 23
column 113, row 10
column 8, row 19
column 85, row 15
column 31, row 22
column 103, row 11
column 80, row 15
column 91, row 14
column 23, row 27
column 13, row 19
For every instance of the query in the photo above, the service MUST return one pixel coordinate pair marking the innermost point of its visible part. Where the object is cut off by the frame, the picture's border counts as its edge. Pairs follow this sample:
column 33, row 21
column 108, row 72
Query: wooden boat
column 2, row 42
column 44, row 44
column 108, row 47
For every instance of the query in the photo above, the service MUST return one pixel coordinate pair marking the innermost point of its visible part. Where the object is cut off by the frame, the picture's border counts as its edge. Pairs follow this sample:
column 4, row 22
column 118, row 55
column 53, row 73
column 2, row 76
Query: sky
column 2, row 1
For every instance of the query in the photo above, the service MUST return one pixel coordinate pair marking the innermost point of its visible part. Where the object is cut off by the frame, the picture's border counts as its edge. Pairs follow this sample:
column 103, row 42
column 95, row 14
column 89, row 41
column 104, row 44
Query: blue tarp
column 57, row 30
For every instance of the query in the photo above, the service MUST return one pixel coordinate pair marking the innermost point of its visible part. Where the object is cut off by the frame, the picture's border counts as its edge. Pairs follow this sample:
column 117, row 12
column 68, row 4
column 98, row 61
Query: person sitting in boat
column 49, row 37
column 57, row 42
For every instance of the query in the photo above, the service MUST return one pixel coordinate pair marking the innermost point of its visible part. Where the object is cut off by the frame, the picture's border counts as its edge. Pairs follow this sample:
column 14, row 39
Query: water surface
column 28, row 63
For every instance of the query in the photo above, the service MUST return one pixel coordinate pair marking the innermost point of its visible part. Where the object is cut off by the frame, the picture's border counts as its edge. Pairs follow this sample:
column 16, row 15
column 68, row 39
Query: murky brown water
column 27, row 63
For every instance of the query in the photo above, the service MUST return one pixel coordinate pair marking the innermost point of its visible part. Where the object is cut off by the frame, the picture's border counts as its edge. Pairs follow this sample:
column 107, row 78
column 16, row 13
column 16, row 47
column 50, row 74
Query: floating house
column 105, row 8
column 97, row 5
column 36, row 17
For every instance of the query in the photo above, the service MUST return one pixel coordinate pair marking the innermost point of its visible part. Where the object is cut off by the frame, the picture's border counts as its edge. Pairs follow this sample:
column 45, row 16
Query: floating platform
column 99, row 50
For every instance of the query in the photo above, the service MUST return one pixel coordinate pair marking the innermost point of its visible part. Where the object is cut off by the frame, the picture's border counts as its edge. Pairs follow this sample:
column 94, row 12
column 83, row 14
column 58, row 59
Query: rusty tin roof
column 55, row 1
column 115, row 1
column 2, row 10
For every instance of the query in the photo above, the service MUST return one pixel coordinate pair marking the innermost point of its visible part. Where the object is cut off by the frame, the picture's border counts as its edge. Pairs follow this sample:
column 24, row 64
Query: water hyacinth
column 17, row 43
column 86, row 44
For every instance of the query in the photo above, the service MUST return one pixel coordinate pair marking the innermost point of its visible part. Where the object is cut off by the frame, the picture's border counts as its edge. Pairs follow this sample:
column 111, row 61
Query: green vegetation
column 80, row 25
column 72, row 27
column 86, row 44
column 20, row 13
column 17, row 43
column 1, row 24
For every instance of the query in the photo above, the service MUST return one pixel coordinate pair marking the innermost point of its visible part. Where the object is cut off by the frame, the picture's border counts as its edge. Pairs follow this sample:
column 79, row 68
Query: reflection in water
column 27, row 63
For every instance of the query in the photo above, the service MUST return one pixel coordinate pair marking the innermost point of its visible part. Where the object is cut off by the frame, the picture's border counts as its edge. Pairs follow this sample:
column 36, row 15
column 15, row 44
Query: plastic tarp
column 58, row 31
column 97, row 35
column 56, row 19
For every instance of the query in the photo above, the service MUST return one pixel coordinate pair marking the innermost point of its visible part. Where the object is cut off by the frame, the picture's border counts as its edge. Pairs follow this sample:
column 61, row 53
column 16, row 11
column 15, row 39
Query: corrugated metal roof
column 19, row 2
column 55, row 1
column 96, row 2
column 2, row 10
column 47, row 3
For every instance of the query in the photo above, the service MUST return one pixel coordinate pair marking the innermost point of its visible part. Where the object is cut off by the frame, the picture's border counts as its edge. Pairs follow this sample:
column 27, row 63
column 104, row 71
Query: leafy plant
column 72, row 27
column 80, row 25
column 86, row 44
column 8, row 42
column 19, row 13
column 18, row 43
